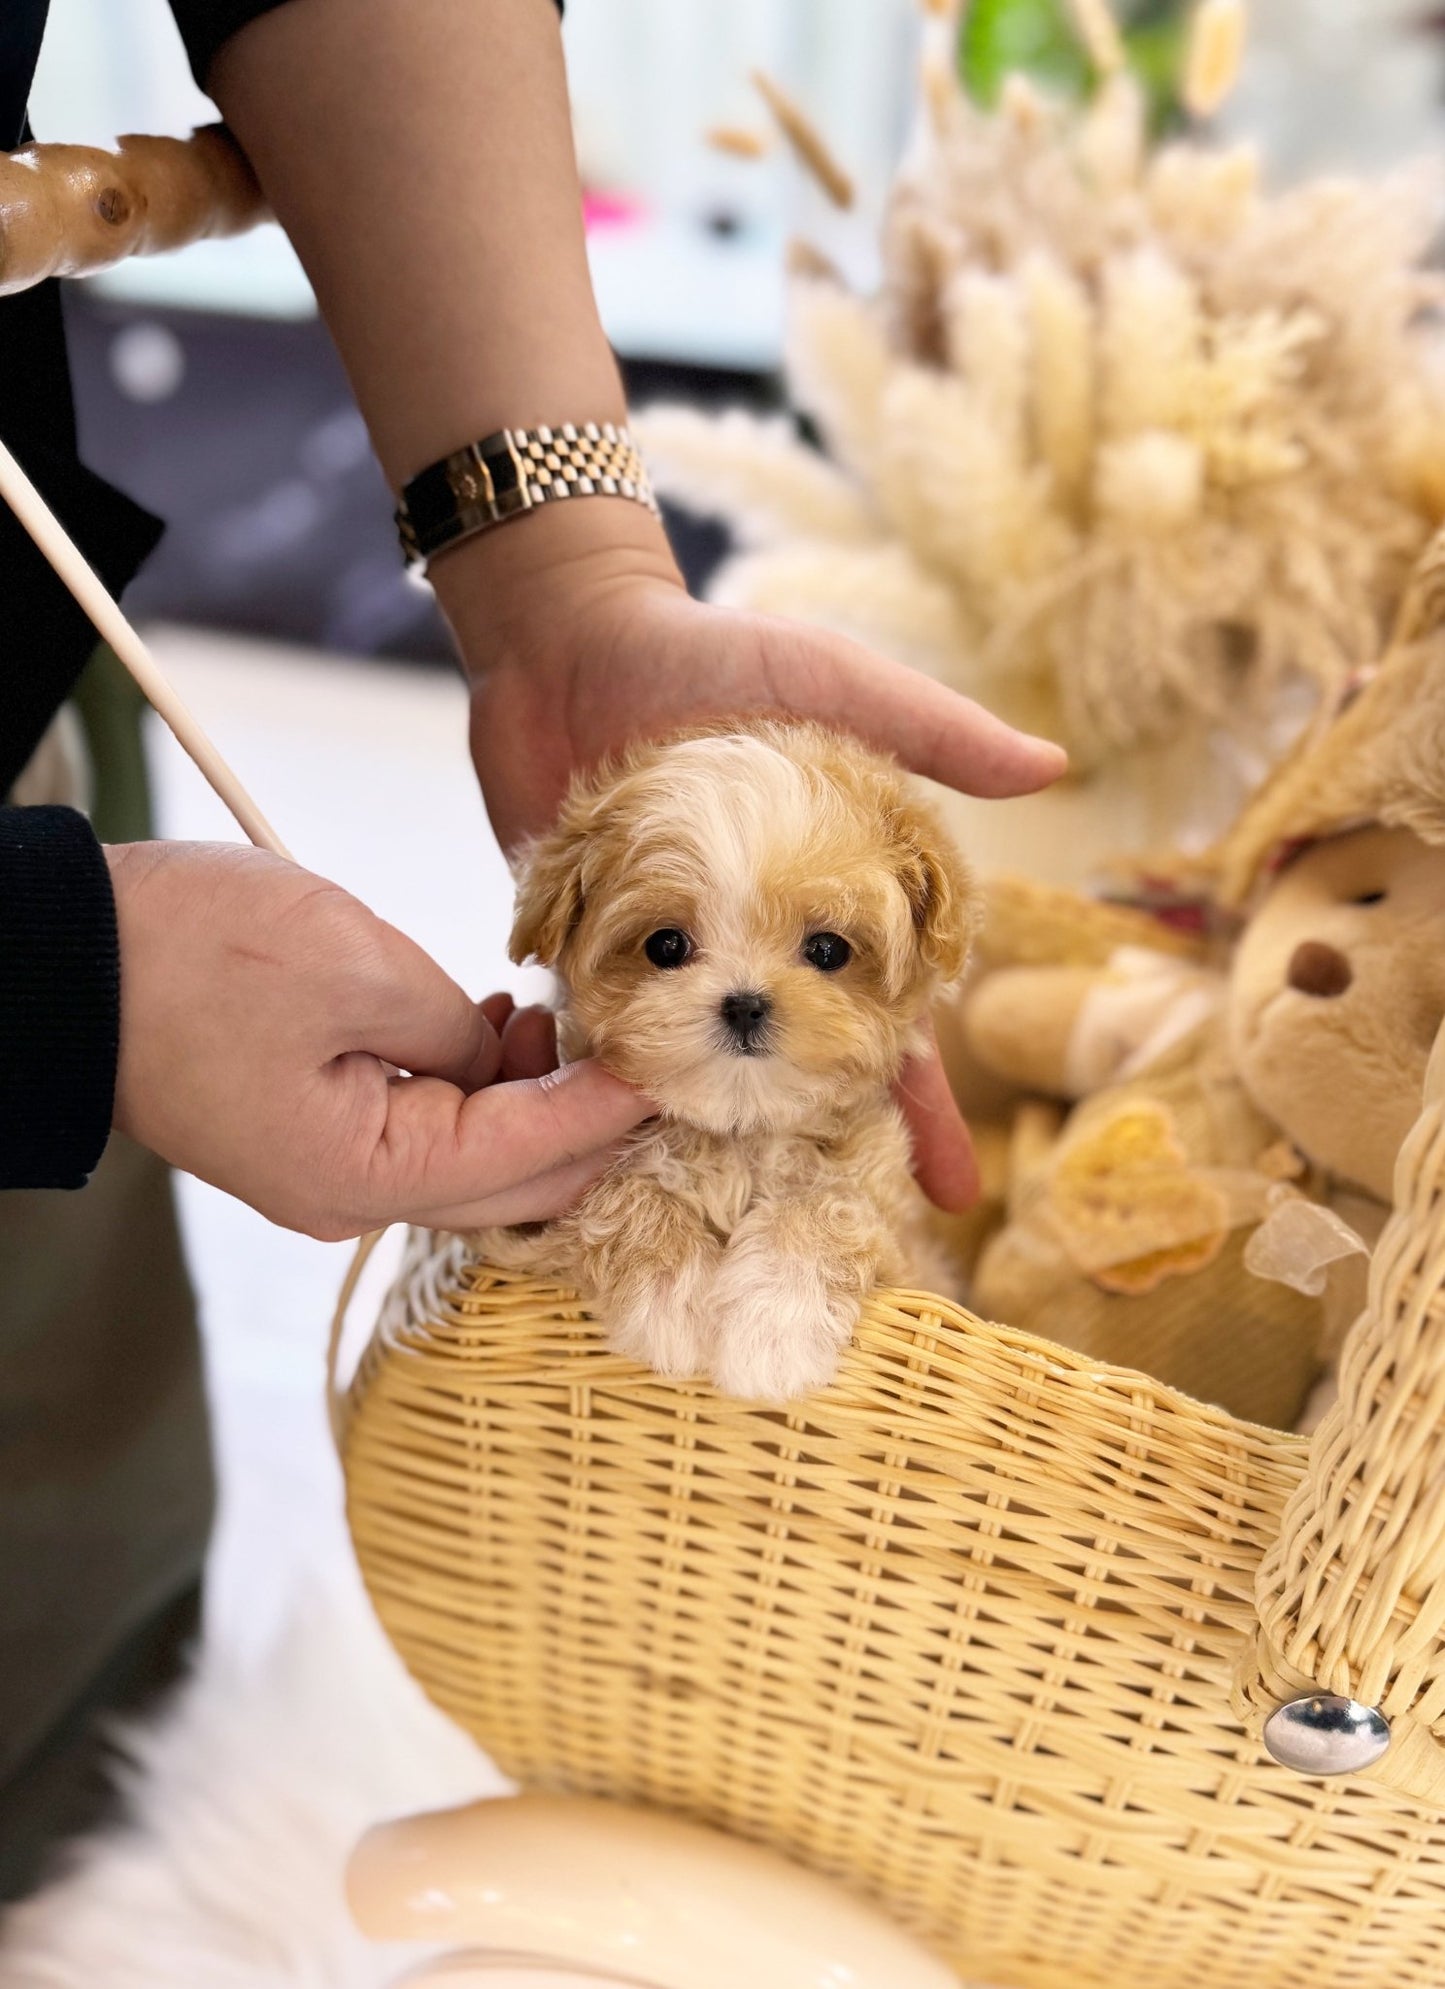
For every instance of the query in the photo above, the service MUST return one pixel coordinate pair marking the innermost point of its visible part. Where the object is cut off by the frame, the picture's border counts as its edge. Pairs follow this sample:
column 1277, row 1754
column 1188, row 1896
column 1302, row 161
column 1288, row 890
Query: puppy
column 748, row 924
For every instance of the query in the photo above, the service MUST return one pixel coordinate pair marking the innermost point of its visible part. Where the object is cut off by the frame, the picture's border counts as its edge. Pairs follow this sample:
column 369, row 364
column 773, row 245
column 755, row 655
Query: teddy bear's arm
column 1069, row 1032
column 1021, row 1024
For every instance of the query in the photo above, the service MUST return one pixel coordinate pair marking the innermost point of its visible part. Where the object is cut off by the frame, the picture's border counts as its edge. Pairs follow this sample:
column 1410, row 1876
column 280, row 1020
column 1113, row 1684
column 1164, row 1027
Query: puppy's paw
column 665, row 1321
column 780, row 1327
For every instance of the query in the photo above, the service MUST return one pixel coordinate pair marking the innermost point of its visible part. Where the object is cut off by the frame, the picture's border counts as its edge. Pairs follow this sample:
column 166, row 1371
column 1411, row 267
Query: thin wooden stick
column 85, row 584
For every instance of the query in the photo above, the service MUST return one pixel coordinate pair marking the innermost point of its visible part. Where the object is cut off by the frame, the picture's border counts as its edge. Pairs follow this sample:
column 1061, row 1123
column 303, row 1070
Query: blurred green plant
column 1039, row 39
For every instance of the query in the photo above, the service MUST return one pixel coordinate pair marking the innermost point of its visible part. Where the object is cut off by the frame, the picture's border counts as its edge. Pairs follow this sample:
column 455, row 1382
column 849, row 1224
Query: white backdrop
column 1326, row 83
column 648, row 78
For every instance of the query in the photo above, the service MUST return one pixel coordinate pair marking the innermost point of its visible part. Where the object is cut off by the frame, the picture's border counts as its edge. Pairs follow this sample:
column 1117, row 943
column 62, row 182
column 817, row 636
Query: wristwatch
column 514, row 471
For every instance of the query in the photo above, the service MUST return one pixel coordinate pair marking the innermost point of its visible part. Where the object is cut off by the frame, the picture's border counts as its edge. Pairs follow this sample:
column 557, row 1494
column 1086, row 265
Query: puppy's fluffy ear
column 580, row 851
column 940, row 890
column 549, row 893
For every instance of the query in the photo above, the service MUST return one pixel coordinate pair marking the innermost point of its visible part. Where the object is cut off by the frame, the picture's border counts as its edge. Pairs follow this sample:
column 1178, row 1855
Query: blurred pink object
column 611, row 210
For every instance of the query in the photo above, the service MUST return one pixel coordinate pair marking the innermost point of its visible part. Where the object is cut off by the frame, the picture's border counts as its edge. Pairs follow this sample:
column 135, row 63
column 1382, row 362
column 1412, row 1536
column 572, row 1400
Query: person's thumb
column 441, row 1149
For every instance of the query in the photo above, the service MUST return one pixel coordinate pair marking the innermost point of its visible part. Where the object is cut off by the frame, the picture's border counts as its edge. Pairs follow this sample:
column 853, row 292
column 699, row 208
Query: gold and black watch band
column 513, row 471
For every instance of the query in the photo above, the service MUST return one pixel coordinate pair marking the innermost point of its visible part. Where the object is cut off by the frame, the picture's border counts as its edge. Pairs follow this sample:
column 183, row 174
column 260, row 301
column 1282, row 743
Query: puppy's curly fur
column 749, row 925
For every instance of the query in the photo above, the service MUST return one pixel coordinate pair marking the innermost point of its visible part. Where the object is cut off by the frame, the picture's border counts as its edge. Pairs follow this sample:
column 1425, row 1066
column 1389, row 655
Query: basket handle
column 338, row 1397
column 1351, row 1596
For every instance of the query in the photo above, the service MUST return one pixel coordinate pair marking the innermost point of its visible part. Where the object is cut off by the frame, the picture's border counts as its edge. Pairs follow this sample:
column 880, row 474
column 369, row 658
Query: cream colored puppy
column 748, row 924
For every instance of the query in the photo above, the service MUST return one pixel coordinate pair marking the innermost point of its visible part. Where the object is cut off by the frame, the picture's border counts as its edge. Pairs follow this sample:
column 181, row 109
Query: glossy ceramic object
column 635, row 1897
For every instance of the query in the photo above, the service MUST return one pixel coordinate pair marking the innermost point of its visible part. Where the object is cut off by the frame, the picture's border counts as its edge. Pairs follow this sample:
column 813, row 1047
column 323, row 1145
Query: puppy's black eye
column 1369, row 898
column 668, row 948
column 826, row 951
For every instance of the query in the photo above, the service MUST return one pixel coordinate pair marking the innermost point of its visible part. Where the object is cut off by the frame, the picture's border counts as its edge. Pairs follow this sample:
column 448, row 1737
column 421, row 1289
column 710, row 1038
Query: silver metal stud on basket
column 1324, row 1734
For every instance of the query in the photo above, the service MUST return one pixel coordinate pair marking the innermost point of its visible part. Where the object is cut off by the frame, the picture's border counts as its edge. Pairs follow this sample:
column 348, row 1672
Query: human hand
column 579, row 635
column 265, row 1015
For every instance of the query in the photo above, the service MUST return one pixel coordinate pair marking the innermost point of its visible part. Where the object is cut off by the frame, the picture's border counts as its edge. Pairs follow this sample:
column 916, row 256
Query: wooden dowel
column 70, row 210
column 85, row 584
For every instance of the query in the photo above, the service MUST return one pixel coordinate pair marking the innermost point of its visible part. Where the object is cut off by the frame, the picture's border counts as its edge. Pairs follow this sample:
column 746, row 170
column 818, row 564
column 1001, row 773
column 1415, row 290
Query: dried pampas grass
column 1124, row 444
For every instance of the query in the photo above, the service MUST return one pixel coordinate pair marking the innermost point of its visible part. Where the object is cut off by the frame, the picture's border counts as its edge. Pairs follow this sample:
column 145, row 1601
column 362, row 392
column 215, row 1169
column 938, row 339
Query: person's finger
column 497, row 1008
column 437, row 1148
column 935, row 731
column 943, row 1156
column 529, row 1043
column 530, row 1201
column 410, row 1013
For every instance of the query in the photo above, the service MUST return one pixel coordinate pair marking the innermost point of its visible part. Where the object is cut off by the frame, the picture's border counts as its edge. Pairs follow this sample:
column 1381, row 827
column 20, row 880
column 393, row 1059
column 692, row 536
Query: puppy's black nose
column 746, row 1016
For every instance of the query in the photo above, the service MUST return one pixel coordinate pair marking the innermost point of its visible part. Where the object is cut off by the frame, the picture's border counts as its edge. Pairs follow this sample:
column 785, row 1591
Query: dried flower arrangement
column 1128, row 446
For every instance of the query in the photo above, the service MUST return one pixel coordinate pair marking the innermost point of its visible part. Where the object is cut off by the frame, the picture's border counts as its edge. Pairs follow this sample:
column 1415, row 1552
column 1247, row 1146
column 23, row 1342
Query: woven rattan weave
column 975, row 1629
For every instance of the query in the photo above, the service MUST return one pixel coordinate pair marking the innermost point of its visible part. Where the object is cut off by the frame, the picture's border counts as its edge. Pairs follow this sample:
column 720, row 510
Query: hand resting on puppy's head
column 748, row 924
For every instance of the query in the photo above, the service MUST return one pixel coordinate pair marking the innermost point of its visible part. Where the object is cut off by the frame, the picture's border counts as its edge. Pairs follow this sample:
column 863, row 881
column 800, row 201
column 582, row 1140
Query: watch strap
column 513, row 471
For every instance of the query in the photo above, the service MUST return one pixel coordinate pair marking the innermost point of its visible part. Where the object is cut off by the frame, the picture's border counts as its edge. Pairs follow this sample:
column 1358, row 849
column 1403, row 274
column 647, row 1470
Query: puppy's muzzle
column 745, row 1017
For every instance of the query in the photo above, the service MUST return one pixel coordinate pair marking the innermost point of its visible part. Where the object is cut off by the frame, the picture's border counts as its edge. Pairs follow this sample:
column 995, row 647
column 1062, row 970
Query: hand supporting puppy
column 579, row 636
column 264, row 1013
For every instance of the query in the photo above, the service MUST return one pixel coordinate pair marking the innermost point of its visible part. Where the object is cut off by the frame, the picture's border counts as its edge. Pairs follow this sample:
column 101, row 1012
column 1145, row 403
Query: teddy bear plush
column 1202, row 1211
column 1025, row 923
column 1205, row 1209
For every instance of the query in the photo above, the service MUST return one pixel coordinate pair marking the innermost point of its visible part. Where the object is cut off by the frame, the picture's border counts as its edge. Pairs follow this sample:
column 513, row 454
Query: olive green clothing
column 106, row 1489
column 105, row 1483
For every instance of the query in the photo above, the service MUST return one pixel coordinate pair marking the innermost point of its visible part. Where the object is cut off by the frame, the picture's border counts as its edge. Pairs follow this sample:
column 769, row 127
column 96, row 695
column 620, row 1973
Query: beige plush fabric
column 1126, row 1240
column 1381, row 759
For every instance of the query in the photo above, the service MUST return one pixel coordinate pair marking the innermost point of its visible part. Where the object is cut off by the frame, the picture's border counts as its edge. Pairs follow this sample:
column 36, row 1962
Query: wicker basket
column 984, row 1629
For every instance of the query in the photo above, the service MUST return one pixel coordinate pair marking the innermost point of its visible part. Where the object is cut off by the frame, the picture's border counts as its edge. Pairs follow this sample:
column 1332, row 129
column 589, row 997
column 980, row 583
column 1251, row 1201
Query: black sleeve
column 205, row 24
column 45, row 639
column 59, row 999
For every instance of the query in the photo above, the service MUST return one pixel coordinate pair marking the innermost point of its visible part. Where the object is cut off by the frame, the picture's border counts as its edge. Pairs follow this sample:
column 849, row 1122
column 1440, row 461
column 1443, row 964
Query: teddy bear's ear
column 550, row 903
column 940, row 890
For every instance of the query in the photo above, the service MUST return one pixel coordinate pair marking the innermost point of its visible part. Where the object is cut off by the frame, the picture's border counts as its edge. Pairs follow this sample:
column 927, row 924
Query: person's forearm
column 420, row 158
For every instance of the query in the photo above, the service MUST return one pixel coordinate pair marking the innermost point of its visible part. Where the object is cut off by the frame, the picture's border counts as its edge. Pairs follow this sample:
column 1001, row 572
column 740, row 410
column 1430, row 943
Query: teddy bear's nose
column 1317, row 969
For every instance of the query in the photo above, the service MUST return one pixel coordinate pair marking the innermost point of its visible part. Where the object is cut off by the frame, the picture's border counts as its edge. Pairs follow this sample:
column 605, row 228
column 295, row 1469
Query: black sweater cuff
column 59, row 999
column 206, row 24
